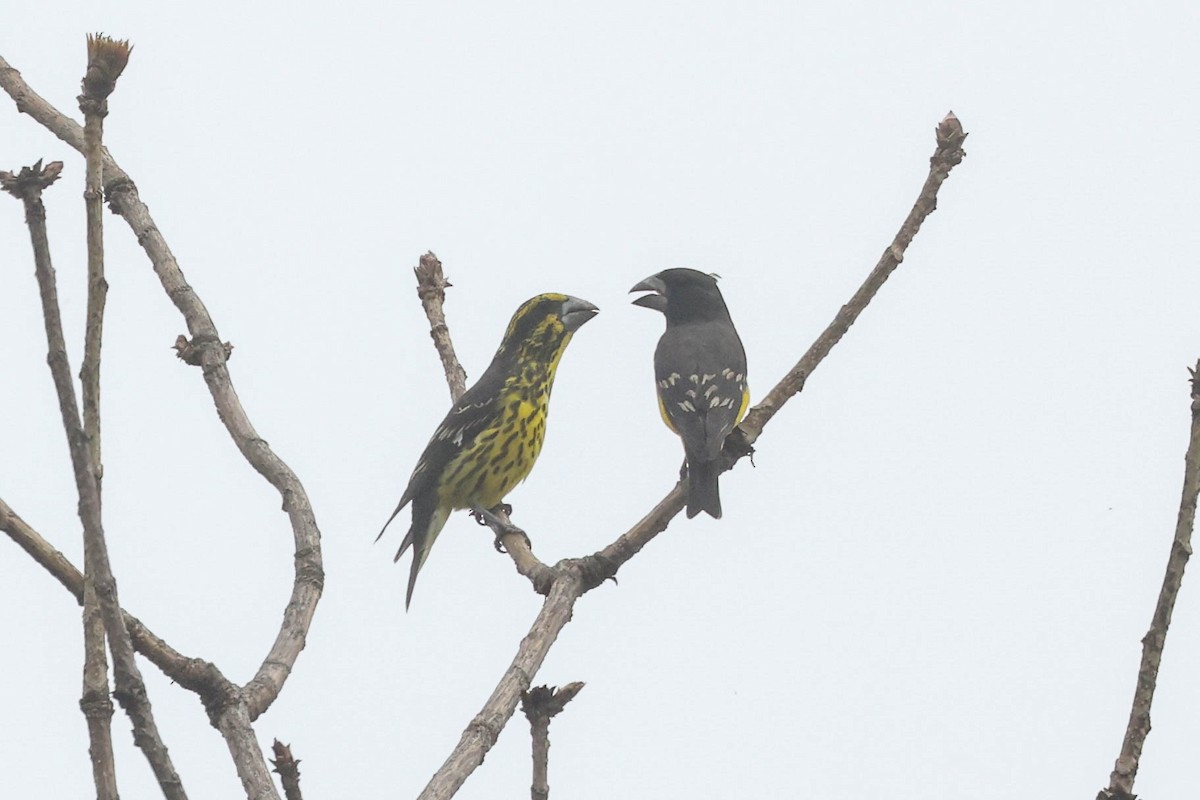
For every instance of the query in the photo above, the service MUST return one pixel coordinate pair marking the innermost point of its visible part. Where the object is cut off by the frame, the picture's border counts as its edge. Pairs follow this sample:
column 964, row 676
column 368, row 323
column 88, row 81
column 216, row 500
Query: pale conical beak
column 657, row 300
column 576, row 312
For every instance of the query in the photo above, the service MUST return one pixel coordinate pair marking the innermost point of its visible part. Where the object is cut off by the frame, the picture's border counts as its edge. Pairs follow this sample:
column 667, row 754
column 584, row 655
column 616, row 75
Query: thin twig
column 41, row 551
column 540, row 705
column 211, row 354
column 949, row 153
column 1120, row 785
column 130, row 688
column 191, row 673
column 288, row 769
column 106, row 61
column 573, row 577
column 431, row 288
column 484, row 729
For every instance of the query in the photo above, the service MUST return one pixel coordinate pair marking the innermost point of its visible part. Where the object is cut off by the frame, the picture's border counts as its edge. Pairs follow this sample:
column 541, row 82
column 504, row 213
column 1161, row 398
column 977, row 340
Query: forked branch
column 207, row 351
column 571, row 578
column 231, row 708
column 540, row 705
column 130, row 688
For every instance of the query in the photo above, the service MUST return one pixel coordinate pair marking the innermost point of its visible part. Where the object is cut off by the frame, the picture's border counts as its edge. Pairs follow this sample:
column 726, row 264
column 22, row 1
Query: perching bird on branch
column 488, row 442
column 700, row 374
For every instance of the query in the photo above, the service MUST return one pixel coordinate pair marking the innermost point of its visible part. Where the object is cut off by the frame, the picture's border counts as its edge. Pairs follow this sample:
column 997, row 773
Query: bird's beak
column 657, row 300
column 575, row 312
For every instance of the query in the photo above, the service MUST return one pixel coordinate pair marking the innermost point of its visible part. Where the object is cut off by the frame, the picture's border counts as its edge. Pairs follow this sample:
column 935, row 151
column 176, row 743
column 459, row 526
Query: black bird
column 700, row 374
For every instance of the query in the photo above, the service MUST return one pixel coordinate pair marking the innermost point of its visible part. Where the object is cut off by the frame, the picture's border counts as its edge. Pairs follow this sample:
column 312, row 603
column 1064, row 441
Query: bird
column 493, row 434
column 699, row 373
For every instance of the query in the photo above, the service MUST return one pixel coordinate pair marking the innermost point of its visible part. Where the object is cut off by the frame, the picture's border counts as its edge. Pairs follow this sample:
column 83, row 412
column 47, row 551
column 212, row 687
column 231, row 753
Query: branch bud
column 107, row 58
column 950, row 132
column 30, row 180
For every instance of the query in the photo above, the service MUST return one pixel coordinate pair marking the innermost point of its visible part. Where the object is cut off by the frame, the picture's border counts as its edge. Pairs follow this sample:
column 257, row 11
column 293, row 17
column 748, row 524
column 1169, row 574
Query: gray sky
column 934, row 582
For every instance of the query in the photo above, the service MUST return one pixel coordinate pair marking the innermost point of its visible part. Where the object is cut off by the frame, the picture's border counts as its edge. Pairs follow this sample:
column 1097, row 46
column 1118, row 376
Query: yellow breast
column 500, row 457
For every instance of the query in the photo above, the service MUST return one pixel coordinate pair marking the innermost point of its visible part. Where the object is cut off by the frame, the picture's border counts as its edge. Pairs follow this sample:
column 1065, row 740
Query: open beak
column 657, row 300
column 575, row 312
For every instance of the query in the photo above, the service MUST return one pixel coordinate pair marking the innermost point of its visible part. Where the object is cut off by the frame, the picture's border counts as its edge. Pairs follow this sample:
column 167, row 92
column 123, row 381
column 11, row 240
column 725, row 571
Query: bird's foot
column 502, row 527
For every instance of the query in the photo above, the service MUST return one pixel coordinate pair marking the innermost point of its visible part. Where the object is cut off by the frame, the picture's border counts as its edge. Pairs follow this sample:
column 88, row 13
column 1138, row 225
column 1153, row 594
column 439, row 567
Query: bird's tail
column 420, row 537
column 703, row 492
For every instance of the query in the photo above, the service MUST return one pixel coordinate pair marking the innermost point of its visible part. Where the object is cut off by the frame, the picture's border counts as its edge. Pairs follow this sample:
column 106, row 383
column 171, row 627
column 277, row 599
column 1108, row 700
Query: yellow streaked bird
column 489, row 441
column 699, row 373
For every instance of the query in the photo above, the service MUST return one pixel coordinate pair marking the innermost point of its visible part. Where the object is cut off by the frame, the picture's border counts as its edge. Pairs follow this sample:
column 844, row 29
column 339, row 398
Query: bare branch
column 106, row 60
column 309, row 574
column 41, row 551
column 572, row 577
column 288, row 769
column 483, row 730
column 208, row 351
column 229, row 716
column 431, row 288
column 231, row 709
column 95, row 703
column 191, row 673
column 540, row 705
column 949, row 154
column 538, row 572
column 130, row 689
column 1120, row 785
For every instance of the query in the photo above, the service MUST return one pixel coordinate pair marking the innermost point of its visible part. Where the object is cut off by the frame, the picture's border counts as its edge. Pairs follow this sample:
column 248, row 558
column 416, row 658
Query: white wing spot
column 686, row 405
column 708, row 392
column 456, row 434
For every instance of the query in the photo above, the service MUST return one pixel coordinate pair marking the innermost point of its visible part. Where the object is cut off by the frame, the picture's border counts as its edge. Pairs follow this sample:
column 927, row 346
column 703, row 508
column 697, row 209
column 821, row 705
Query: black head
column 683, row 295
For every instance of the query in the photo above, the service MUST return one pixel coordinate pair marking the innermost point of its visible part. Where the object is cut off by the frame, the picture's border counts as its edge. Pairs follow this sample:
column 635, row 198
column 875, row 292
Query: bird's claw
column 499, row 543
column 501, row 526
column 506, row 529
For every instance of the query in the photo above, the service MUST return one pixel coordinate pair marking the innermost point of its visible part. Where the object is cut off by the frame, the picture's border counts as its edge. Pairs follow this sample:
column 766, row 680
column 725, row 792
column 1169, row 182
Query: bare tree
column 232, row 708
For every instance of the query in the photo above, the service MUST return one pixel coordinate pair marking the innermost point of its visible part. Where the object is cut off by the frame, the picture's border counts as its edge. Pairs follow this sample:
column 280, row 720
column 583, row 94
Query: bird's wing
column 465, row 420
column 701, row 380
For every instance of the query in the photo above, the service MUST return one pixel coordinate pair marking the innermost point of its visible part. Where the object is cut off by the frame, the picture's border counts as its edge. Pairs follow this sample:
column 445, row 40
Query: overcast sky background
column 933, row 583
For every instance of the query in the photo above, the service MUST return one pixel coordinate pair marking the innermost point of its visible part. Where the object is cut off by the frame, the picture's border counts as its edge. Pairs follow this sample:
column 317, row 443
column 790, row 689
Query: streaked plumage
column 699, row 373
column 492, row 436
